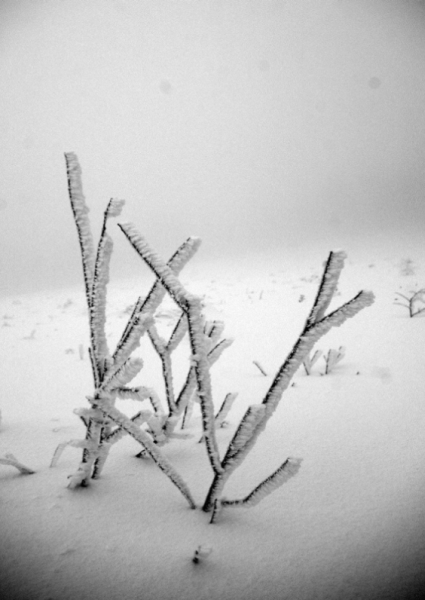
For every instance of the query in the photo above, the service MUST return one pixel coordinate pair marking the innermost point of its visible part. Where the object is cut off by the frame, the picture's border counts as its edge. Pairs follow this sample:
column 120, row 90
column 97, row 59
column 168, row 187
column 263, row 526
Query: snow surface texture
column 180, row 456
column 349, row 525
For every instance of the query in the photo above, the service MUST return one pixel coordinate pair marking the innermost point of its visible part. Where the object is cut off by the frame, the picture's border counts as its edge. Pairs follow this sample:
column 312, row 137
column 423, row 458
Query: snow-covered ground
column 350, row 524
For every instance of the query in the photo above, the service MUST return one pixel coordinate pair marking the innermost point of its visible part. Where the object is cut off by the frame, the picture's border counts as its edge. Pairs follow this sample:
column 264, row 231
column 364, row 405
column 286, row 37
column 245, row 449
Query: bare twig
column 259, row 367
column 411, row 302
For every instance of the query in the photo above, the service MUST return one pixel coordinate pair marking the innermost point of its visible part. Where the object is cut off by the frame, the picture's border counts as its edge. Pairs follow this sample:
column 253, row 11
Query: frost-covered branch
column 143, row 438
column 285, row 472
column 308, row 362
column 240, row 445
column 97, row 305
column 186, row 397
column 198, row 341
column 165, row 357
column 327, row 287
column 98, row 302
column 122, row 375
column 163, row 271
column 308, row 338
column 178, row 333
column 146, row 307
column 80, row 211
column 10, row 459
column 316, row 326
column 225, row 409
column 191, row 305
column 333, row 357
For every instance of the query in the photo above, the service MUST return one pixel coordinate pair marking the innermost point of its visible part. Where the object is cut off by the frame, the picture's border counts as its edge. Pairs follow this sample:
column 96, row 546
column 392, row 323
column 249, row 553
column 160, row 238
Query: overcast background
column 259, row 125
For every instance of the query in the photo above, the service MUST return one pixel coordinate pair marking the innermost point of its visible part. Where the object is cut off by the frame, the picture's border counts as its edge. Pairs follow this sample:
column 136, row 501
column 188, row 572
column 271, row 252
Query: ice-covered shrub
column 113, row 371
column 254, row 422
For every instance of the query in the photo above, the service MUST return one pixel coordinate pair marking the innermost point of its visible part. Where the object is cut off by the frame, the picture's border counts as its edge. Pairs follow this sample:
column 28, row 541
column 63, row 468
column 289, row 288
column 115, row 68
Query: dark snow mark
column 201, row 553
column 374, row 83
column 165, row 87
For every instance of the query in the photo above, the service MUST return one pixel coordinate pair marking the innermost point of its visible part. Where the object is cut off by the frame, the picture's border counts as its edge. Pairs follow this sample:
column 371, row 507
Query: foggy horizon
column 258, row 126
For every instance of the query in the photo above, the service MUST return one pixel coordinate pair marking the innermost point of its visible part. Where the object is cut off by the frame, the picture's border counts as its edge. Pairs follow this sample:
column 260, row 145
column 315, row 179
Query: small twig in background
column 309, row 362
column 257, row 364
column 411, row 302
column 219, row 419
column 333, row 357
column 224, row 409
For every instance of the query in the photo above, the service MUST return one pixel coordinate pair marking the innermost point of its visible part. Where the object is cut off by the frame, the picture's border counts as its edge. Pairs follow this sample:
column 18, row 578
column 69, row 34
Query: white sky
column 254, row 124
